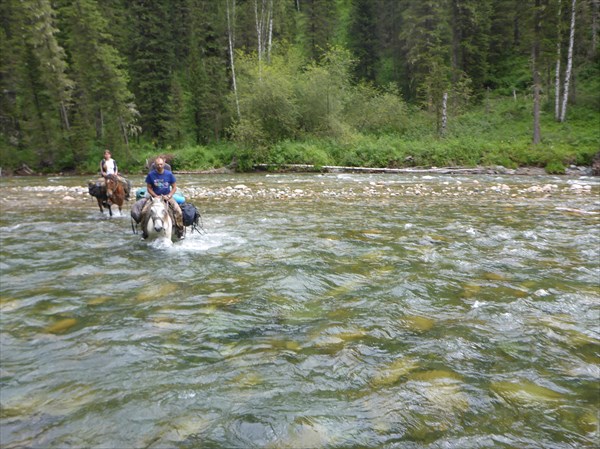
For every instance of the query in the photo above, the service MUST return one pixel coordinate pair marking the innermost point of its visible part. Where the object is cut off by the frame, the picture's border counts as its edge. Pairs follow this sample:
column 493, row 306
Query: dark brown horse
column 115, row 193
column 97, row 189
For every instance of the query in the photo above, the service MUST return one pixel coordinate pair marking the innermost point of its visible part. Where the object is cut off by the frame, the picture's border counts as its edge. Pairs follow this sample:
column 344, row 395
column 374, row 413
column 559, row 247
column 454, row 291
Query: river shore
column 323, row 187
column 572, row 170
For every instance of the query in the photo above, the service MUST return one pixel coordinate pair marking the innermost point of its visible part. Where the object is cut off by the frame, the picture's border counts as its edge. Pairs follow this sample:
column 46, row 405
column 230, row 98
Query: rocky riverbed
column 261, row 191
column 384, row 189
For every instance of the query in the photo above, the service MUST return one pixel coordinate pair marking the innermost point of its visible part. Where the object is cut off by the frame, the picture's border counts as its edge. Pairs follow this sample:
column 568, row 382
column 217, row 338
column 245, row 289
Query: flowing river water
column 337, row 311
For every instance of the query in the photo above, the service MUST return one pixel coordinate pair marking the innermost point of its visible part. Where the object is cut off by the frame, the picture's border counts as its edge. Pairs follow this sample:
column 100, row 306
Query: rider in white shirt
column 108, row 166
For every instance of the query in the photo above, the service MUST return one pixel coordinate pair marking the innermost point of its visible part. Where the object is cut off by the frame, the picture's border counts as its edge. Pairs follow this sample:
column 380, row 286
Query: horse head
column 159, row 214
column 112, row 184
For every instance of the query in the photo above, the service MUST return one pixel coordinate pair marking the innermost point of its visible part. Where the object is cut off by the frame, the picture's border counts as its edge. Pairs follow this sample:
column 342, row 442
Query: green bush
column 291, row 152
column 555, row 168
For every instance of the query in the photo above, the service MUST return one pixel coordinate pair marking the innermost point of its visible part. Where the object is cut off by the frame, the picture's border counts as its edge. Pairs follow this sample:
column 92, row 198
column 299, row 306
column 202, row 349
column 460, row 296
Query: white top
column 109, row 166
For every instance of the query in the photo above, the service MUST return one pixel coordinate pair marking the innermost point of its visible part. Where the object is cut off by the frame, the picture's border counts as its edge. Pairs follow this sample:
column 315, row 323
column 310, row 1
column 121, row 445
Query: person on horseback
column 161, row 182
column 108, row 166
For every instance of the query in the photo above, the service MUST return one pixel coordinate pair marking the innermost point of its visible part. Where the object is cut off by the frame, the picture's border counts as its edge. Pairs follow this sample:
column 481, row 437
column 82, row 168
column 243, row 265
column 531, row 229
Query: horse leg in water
column 100, row 204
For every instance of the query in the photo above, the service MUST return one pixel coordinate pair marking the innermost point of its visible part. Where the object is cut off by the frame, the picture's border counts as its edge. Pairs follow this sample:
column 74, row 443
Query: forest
column 234, row 83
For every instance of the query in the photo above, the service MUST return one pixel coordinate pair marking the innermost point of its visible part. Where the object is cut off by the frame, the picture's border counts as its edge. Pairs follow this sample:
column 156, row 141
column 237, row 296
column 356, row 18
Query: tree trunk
column 263, row 30
column 563, row 112
column 595, row 26
column 64, row 115
column 557, row 72
column 270, row 41
column 536, row 73
column 99, row 124
column 125, row 138
column 259, row 35
column 231, row 36
column 444, row 113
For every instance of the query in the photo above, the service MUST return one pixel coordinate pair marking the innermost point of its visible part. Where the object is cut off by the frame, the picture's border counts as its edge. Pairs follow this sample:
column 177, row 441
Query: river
column 336, row 310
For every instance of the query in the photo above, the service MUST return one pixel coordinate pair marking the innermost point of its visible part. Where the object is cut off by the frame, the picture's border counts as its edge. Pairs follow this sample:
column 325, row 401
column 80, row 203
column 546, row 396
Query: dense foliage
column 338, row 82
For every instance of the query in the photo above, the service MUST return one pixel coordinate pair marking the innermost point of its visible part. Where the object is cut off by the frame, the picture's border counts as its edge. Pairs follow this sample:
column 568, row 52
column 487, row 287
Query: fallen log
column 344, row 169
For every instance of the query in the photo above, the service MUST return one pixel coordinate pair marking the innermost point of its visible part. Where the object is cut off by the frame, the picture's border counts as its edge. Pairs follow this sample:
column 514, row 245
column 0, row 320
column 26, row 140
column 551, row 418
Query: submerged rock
column 525, row 393
column 61, row 326
column 393, row 372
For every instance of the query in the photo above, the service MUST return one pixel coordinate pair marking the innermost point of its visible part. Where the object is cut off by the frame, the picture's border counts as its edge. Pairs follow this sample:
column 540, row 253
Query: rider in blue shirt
column 161, row 182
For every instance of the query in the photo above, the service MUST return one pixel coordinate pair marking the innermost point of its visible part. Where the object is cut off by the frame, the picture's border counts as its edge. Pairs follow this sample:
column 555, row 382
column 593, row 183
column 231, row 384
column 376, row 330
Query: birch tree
column 444, row 113
column 563, row 112
column 537, row 26
column 231, row 39
column 264, row 30
column 557, row 70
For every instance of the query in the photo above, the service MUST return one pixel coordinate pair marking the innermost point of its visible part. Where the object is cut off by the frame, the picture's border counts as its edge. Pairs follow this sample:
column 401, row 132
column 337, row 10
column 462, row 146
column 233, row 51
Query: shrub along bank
column 498, row 132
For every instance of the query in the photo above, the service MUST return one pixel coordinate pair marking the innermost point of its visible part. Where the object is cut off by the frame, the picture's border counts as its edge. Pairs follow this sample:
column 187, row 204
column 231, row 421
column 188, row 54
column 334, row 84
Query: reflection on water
column 315, row 311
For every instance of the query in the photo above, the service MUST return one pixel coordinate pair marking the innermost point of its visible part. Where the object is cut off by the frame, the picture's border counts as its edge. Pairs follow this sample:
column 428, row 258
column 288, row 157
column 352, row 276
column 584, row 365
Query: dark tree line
column 78, row 75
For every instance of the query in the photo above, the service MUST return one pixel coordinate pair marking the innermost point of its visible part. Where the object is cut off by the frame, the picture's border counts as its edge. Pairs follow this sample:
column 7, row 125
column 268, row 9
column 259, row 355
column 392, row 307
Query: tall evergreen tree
column 9, row 128
column 426, row 35
column 176, row 124
column 391, row 67
column 50, row 55
column 363, row 39
column 471, row 22
column 509, row 52
column 207, row 76
column 151, row 62
column 35, row 73
column 318, row 24
column 104, row 111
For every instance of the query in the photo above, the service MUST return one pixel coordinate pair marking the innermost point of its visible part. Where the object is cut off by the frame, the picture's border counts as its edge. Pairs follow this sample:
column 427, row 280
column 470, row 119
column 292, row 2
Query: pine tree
column 11, row 51
column 104, row 111
column 207, row 77
column 427, row 37
column 176, row 125
column 35, row 72
column 151, row 59
column 363, row 39
column 509, row 52
column 391, row 62
column 318, row 24
column 471, row 22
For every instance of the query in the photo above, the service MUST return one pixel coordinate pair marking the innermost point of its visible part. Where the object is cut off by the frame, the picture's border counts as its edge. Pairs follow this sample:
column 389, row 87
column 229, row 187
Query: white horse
column 158, row 223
